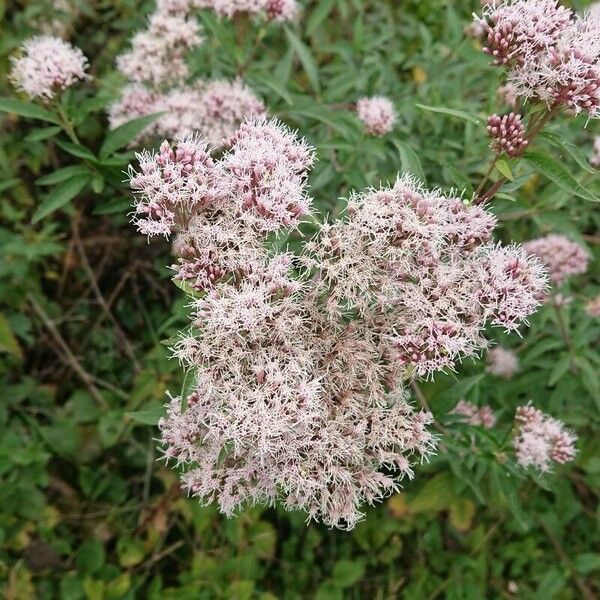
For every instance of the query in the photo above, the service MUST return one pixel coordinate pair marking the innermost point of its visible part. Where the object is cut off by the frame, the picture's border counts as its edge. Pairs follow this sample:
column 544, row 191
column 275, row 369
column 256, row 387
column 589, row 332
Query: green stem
column 66, row 124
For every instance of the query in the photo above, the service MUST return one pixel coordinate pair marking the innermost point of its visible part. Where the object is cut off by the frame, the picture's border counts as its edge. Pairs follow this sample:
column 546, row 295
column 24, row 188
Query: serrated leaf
column 461, row 114
column 60, row 196
column 554, row 171
column 27, row 109
column 410, row 161
column 62, row 175
column 306, row 58
column 149, row 416
column 122, row 135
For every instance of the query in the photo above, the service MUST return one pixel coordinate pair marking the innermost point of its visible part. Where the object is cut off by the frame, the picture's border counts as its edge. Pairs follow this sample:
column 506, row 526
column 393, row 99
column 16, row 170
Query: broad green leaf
column 27, row 109
column 554, row 171
column 149, row 416
column 122, row 135
column 306, row 58
column 461, row 114
column 410, row 161
column 62, row 175
column 346, row 573
column 60, row 195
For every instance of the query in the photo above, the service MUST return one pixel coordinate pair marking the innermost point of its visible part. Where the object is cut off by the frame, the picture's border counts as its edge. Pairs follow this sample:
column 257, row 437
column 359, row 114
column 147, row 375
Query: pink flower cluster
column 47, row 66
column 479, row 417
column 592, row 308
column 215, row 108
column 377, row 114
column 300, row 361
column 423, row 269
column 502, row 362
column 157, row 69
column 508, row 134
column 541, row 440
column 562, row 257
column 550, row 54
column 157, row 54
column 274, row 10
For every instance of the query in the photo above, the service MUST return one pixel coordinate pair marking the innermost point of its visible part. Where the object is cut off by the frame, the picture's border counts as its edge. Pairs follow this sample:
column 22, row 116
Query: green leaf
column 459, row 179
column 573, row 151
column 9, row 183
column 62, row 175
column 506, row 485
column 122, row 135
column 436, row 495
column 554, row 171
column 97, row 183
column 504, row 169
column 8, row 342
column 114, row 206
column 461, row 114
column 44, row 133
column 445, row 401
column 90, row 557
column 27, row 109
column 77, row 150
column 60, row 196
column 410, row 161
column 150, row 416
column 306, row 58
column 130, row 552
column 319, row 15
column 346, row 573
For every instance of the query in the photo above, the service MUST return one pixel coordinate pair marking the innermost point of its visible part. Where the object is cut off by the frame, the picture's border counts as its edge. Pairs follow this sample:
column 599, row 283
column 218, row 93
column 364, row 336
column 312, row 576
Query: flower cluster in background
column 47, row 66
column 562, row 257
column 478, row 417
column 502, row 362
column 159, row 82
column 377, row 114
column 541, row 440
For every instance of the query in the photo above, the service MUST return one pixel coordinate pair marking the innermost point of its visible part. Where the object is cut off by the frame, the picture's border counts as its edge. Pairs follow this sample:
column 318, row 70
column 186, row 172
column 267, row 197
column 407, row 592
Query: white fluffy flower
column 48, row 65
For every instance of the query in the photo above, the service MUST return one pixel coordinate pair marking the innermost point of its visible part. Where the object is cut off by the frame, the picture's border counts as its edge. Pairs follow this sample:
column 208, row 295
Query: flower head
column 47, row 66
column 541, row 440
column 157, row 55
column 562, row 257
column 551, row 55
column 592, row 308
column 474, row 415
column 508, row 134
column 377, row 114
column 502, row 362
